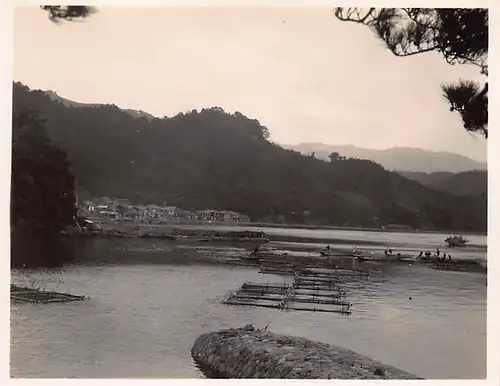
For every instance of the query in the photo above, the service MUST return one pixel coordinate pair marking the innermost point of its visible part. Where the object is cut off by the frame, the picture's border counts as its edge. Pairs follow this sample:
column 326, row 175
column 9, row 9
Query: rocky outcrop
column 250, row 353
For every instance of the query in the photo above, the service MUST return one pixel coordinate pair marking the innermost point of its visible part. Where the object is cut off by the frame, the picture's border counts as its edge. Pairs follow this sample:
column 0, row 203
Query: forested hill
column 470, row 183
column 212, row 159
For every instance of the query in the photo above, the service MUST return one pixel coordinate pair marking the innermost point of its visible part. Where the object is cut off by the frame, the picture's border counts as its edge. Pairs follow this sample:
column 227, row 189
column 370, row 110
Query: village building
column 121, row 209
column 222, row 215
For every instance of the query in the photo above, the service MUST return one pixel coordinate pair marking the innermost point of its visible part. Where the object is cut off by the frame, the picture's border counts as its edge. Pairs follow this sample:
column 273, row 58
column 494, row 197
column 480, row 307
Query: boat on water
column 149, row 235
column 329, row 253
column 456, row 241
column 368, row 255
column 396, row 257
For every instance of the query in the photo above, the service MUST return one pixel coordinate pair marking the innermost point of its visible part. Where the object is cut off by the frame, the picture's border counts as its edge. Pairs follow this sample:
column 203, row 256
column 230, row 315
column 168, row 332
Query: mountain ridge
column 397, row 158
column 71, row 103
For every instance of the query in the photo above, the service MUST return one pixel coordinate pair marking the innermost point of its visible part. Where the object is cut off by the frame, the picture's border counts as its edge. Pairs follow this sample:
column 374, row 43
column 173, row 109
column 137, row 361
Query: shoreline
column 198, row 224
column 126, row 229
column 361, row 229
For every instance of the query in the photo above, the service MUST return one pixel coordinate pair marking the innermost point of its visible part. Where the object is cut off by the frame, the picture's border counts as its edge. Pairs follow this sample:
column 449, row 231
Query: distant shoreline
column 200, row 224
column 324, row 227
column 332, row 227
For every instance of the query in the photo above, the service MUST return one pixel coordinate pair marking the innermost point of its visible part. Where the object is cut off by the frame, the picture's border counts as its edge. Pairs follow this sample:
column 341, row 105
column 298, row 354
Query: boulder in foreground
column 250, row 353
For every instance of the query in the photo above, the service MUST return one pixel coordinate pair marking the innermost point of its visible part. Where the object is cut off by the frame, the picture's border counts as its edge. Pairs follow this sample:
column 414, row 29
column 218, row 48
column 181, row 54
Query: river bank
column 366, row 229
column 203, row 224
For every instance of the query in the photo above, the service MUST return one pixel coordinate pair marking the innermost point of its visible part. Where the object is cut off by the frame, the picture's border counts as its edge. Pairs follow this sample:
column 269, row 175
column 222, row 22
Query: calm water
column 150, row 301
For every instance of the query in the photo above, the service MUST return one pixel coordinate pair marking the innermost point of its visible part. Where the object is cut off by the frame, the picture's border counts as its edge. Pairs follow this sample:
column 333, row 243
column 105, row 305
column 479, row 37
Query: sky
column 302, row 73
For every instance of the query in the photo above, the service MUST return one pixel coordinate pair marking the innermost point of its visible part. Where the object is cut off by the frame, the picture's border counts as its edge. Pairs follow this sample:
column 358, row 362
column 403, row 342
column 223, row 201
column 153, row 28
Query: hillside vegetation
column 470, row 183
column 212, row 159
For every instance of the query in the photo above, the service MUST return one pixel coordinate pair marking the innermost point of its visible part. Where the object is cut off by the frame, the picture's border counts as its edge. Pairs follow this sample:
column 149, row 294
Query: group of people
column 424, row 254
column 438, row 255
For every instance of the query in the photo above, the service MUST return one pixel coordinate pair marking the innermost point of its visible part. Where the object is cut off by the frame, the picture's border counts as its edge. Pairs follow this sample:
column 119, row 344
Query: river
column 150, row 300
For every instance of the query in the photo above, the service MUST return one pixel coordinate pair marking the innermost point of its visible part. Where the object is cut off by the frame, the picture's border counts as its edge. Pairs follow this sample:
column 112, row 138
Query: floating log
column 255, row 285
column 243, row 303
column 288, row 307
column 320, row 295
column 247, row 297
column 276, row 271
column 301, row 280
column 317, row 301
column 304, row 284
column 326, row 293
column 274, row 262
column 264, row 291
column 314, row 309
column 332, row 273
column 158, row 236
column 318, row 289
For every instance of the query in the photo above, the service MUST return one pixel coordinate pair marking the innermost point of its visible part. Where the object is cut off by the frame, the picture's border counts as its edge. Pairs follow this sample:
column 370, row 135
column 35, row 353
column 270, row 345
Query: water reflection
column 32, row 251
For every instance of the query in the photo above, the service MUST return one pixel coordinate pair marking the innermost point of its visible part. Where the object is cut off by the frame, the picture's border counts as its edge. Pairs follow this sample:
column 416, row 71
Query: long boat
column 369, row 256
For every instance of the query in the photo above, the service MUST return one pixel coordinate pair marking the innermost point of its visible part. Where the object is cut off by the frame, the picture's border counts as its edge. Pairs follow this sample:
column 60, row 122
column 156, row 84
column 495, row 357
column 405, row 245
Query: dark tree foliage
column 57, row 13
column 211, row 159
column 469, row 183
column 42, row 191
column 459, row 34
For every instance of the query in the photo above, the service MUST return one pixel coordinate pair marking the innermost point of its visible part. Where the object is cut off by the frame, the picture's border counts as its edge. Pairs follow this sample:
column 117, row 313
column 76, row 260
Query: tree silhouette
column 459, row 34
column 42, row 190
column 334, row 156
column 58, row 13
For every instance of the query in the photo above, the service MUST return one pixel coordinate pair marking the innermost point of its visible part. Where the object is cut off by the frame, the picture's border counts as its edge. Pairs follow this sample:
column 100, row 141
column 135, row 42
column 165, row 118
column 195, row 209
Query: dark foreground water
column 150, row 301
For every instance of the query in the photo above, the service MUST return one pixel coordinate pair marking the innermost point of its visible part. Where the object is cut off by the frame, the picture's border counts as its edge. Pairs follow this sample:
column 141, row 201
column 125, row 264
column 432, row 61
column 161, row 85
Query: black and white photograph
column 271, row 192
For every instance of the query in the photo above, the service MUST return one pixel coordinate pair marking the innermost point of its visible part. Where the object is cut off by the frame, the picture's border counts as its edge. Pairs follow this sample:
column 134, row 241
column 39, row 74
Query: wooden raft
column 295, row 296
column 29, row 295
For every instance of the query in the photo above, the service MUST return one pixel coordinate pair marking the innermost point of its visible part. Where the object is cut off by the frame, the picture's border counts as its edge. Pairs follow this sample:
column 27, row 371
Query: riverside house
column 121, row 209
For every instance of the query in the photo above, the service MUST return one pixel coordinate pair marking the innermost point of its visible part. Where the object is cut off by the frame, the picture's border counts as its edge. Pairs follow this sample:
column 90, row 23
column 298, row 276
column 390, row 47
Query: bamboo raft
column 316, row 289
column 289, row 297
column 29, row 295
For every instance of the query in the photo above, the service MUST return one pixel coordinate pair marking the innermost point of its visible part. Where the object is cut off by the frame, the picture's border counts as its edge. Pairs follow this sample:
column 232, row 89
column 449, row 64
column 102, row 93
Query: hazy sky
column 302, row 73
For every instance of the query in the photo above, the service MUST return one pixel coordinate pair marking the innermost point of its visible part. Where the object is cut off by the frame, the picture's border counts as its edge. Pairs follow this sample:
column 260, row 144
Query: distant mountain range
column 405, row 159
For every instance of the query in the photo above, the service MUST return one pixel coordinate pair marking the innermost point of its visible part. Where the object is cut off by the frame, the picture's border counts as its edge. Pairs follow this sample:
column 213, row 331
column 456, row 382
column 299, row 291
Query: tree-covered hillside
column 212, row 159
column 469, row 183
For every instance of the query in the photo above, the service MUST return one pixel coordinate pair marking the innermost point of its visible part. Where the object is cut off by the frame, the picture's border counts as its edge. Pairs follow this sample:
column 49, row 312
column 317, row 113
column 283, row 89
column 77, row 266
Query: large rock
column 250, row 353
